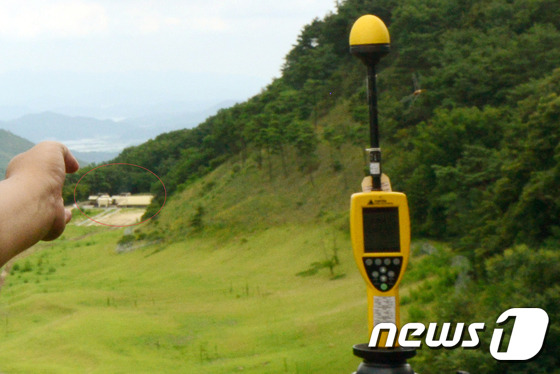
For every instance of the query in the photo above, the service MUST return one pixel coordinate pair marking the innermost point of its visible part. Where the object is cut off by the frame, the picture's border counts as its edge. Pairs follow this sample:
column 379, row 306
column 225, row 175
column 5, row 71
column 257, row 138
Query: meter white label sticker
column 375, row 168
column 384, row 310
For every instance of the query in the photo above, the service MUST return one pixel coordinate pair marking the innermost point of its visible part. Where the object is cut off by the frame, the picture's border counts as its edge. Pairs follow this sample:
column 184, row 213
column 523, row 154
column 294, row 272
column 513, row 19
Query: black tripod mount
column 383, row 360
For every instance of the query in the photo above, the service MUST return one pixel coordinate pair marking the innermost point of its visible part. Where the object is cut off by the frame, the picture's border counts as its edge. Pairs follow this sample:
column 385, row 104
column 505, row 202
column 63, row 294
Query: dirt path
column 124, row 218
column 113, row 216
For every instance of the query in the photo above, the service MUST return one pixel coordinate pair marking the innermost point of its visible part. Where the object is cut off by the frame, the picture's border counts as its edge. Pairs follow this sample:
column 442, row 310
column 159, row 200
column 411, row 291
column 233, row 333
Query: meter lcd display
column 381, row 230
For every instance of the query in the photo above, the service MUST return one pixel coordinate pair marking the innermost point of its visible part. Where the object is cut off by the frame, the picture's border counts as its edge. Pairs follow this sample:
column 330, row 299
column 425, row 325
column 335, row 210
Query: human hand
column 44, row 167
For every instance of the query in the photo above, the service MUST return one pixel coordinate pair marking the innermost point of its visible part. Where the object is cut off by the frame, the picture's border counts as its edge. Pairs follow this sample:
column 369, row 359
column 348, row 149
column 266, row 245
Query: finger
column 68, row 215
column 70, row 161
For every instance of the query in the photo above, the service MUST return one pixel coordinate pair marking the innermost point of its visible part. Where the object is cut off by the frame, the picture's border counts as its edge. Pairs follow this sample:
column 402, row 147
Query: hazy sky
column 72, row 53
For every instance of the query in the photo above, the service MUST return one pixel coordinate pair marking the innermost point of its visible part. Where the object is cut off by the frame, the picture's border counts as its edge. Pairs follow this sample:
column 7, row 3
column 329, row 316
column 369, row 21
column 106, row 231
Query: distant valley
column 97, row 140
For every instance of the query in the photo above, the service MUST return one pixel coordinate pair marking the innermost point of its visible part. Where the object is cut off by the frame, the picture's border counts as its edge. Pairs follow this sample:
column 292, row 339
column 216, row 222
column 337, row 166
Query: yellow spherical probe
column 369, row 39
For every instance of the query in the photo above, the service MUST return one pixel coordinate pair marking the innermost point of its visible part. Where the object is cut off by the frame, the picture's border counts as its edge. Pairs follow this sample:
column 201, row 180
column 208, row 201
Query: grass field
column 238, row 293
column 217, row 304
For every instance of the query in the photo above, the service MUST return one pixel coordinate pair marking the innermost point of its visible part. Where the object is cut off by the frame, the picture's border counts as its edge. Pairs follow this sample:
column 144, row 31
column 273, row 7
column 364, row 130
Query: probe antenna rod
column 375, row 152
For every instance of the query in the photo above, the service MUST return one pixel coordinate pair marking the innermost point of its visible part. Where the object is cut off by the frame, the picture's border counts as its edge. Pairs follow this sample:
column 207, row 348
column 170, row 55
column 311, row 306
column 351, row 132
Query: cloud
column 247, row 38
column 146, row 18
column 99, row 144
column 140, row 19
column 36, row 19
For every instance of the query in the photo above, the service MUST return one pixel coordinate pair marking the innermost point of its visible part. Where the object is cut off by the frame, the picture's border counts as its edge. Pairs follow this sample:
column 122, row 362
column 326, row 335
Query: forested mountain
column 10, row 145
column 480, row 137
column 469, row 101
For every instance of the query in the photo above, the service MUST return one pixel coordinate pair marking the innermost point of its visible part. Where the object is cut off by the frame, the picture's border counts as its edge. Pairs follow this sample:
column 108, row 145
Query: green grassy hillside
column 243, row 198
column 213, row 304
column 239, row 291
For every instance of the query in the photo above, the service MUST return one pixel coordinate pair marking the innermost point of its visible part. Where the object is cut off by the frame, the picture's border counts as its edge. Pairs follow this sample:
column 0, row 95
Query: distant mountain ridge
column 96, row 140
column 53, row 126
column 11, row 145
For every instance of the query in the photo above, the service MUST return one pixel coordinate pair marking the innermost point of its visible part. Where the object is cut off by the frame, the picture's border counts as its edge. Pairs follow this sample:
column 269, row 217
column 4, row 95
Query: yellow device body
column 380, row 231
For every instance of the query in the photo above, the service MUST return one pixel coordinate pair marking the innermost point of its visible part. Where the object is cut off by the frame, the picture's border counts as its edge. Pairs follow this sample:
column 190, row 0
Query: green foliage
column 520, row 277
column 126, row 239
column 27, row 267
column 331, row 262
column 197, row 220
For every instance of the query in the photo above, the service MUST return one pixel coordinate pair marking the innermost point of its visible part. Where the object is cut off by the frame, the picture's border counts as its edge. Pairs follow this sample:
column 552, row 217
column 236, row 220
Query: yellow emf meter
column 380, row 231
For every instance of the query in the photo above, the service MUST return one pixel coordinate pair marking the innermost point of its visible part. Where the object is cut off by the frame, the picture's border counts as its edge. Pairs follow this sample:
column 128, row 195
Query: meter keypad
column 383, row 272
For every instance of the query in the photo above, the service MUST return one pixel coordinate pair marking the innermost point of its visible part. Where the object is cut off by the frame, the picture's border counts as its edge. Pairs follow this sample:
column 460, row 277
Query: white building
column 135, row 201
